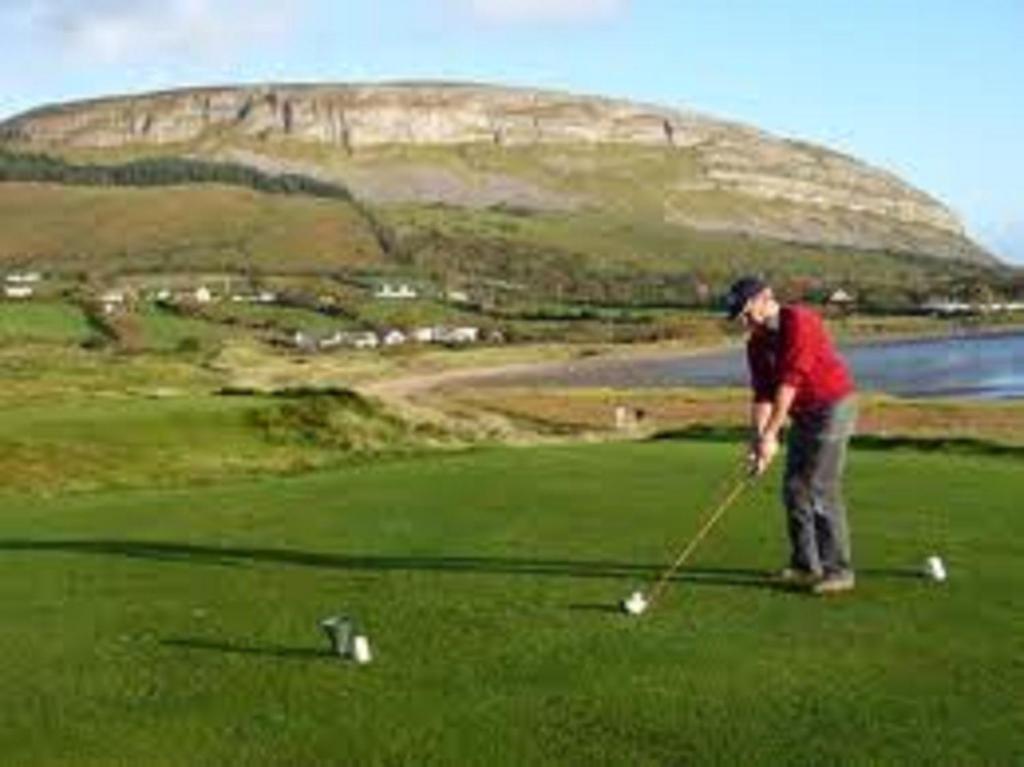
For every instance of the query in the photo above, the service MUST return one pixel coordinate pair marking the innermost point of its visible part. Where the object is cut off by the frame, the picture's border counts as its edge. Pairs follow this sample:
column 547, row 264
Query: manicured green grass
column 180, row 627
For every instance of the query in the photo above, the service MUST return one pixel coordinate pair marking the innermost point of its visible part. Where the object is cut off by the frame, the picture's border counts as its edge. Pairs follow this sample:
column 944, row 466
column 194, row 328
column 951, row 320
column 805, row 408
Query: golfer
column 796, row 374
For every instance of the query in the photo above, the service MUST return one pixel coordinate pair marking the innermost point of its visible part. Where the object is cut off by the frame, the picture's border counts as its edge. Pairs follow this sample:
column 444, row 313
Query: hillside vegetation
column 508, row 256
column 179, row 228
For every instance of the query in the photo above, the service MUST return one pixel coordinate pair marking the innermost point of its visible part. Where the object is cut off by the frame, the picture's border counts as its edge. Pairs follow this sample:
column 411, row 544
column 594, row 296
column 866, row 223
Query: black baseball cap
column 742, row 291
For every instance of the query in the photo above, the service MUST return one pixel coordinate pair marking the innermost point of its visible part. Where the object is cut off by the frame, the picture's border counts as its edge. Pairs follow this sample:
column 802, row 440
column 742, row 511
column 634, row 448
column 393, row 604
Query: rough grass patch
column 341, row 419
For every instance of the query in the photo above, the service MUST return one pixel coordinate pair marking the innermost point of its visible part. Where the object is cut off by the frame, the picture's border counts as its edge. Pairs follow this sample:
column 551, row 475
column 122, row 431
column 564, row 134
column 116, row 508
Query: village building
column 461, row 335
column 401, row 291
column 113, row 300
column 335, row 339
column 840, row 298
column 19, row 292
column 304, row 341
column 946, row 306
column 424, row 335
column 365, row 340
column 394, row 338
column 23, row 278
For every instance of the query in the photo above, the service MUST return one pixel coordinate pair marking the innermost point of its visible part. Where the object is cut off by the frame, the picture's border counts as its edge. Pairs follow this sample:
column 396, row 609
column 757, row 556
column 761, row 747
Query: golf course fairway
column 180, row 626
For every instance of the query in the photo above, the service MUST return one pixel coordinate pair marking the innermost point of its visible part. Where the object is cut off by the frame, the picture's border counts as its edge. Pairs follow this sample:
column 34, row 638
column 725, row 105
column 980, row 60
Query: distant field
column 415, row 313
column 164, row 331
column 179, row 627
column 284, row 319
column 42, row 322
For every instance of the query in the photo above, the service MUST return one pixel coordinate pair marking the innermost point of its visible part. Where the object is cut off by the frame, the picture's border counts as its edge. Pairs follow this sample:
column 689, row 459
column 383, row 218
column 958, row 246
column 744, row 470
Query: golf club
column 637, row 604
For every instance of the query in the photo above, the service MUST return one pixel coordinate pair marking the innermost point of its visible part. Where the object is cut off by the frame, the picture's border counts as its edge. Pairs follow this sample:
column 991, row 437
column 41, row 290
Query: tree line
column 160, row 171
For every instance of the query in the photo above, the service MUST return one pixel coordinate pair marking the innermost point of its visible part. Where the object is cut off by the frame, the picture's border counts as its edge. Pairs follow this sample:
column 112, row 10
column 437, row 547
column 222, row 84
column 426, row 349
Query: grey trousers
column 819, row 537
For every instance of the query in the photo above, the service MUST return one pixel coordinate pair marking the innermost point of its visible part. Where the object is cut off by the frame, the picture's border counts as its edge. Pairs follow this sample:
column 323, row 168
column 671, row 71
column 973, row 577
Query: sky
column 932, row 90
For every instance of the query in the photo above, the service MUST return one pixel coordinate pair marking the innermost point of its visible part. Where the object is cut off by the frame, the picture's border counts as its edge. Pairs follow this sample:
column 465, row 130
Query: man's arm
column 769, row 418
column 760, row 413
column 779, row 411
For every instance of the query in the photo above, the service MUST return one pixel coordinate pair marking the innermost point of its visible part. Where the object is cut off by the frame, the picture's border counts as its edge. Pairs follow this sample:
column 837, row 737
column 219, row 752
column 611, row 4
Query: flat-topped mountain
column 476, row 146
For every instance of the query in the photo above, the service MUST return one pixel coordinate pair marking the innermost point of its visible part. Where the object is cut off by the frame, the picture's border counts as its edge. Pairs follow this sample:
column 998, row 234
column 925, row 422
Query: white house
column 1012, row 306
column 202, row 295
column 402, row 291
column 337, row 338
column 303, row 340
column 394, row 338
column 23, row 278
column 946, row 306
column 424, row 335
column 463, row 335
column 458, row 296
column 113, row 300
column 365, row 340
column 17, row 291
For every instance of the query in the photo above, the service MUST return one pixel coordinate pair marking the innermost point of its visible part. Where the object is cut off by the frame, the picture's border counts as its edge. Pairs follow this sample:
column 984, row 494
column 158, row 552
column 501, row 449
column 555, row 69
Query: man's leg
column 798, row 498
column 830, row 525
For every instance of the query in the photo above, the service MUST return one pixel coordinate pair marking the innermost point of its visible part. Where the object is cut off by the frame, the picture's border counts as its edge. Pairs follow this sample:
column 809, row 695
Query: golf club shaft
column 717, row 514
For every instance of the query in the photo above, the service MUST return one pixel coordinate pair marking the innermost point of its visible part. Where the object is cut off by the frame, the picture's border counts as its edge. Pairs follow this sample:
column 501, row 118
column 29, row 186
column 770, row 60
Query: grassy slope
column 164, row 331
column 60, row 323
column 180, row 228
column 42, row 322
column 180, row 627
column 619, row 244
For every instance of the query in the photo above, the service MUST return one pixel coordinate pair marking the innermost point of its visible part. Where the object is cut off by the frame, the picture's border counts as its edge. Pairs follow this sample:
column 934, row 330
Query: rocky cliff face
column 352, row 119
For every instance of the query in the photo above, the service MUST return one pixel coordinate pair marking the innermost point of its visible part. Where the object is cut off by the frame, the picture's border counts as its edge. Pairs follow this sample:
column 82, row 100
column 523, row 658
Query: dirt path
column 414, row 386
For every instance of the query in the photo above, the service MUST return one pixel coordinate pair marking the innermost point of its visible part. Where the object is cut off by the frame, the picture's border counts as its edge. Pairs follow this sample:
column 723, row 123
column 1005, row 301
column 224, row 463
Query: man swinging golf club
column 796, row 374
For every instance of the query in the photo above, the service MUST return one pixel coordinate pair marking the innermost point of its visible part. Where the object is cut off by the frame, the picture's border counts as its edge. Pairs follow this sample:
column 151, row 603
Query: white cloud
column 118, row 30
column 545, row 10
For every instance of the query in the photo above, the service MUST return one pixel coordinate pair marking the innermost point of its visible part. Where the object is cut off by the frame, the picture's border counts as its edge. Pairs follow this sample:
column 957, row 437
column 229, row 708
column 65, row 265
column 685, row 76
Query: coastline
column 408, row 385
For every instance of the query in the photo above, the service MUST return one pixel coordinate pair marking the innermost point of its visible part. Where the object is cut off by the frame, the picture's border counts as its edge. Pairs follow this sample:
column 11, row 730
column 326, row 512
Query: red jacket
column 799, row 353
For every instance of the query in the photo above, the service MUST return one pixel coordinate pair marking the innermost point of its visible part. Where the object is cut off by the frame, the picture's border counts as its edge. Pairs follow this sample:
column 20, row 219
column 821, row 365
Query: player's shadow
column 243, row 556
